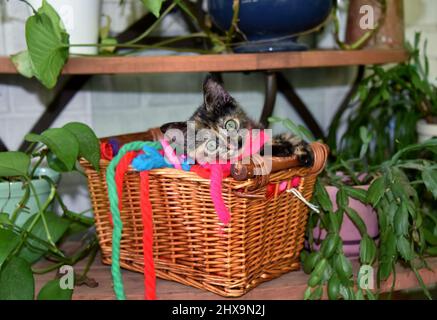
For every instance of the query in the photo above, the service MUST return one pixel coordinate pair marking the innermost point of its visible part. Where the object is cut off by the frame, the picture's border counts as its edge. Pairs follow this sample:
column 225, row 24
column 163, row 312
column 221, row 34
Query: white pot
column 426, row 130
column 81, row 19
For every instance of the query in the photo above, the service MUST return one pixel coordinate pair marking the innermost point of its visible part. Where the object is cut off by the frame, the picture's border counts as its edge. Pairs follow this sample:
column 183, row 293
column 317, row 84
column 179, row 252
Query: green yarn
column 118, row 225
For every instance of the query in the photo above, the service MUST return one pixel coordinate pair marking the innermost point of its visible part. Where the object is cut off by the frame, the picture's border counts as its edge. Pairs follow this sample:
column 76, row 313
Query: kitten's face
column 220, row 125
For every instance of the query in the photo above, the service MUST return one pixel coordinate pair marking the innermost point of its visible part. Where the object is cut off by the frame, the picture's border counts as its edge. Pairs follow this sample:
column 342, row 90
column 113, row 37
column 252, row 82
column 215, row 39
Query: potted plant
column 29, row 232
column 50, row 39
column 346, row 182
column 389, row 103
column 268, row 25
column 404, row 238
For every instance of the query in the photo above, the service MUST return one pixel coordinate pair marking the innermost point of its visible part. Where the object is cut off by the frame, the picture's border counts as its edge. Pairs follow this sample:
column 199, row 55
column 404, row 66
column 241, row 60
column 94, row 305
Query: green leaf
column 401, row 222
column 47, row 9
column 376, row 191
column 317, row 293
column 322, row 197
column 153, row 6
column 55, row 164
column 14, row 164
column 307, row 133
column 342, row 199
column 357, row 220
column 5, row 220
column 275, row 119
column 52, row 291
column 48, row 45
column 22, row 62
column 290, row 125
column 404, row 248
column 310, row 262
column 104, row 31
column 8, row 241
column 357, row 194
column 112, row 42
column 367, row 250
column 16, row 280
column 89, row 144
column 429, row 177
column 34, row 250
column 330, row 245
column 333, row 288
column 343, row 267
column 61, row 142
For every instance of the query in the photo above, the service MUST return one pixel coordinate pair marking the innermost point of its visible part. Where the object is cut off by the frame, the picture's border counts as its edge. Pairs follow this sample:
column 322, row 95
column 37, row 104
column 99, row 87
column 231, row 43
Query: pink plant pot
column 349, row 233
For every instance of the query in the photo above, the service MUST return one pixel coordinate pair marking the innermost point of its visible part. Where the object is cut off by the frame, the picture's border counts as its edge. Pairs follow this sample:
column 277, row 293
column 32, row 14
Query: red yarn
column 149, row 266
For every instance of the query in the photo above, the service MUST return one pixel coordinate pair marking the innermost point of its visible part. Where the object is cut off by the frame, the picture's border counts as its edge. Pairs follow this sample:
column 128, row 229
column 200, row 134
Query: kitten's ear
column 182, row 126
column 215, row 96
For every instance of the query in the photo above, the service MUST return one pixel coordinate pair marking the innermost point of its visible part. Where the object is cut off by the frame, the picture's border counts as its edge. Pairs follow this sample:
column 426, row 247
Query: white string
column 302, row 198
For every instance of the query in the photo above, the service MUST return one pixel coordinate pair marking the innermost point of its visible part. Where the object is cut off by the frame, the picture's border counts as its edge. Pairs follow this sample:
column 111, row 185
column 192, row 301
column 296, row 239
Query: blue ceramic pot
column 267, row 22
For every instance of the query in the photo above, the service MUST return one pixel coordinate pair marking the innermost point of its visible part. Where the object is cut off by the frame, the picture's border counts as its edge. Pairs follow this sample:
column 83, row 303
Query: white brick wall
column 422, row 16
column 121, row 104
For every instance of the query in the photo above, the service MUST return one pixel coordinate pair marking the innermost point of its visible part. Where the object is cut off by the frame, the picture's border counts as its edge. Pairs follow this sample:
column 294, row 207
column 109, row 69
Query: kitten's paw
column 305, row 154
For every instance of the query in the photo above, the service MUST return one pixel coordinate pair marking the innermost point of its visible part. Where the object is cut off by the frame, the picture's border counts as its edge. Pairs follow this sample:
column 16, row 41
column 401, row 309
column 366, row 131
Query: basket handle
column 242, row 172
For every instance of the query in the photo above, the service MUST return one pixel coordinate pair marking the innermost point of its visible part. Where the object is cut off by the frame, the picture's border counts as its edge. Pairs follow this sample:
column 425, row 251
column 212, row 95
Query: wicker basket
column 263, row 240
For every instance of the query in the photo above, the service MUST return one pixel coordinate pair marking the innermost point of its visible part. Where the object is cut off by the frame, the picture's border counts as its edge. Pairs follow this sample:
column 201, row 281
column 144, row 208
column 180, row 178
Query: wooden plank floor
column 290, row 286
column 222, row 62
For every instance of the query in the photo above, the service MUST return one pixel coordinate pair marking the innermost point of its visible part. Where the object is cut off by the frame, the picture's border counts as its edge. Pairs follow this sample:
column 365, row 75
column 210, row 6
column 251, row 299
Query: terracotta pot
column 349, row 233
column 391, row 35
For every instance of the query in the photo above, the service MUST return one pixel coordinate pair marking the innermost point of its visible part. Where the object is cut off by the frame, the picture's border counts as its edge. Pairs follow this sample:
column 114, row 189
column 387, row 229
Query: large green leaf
column 34, row 250
column 52, row 291
column 16, row 280
column 8, row 242
column 61, row 142
column 153, row 6
column 48, row 44
column 14, row 164
column 22, row 62
column 429, row 177
column 89, row 145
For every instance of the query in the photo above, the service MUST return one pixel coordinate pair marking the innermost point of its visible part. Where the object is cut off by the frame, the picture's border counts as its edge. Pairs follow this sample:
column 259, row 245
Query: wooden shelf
column 223, row 62
column 290, row 286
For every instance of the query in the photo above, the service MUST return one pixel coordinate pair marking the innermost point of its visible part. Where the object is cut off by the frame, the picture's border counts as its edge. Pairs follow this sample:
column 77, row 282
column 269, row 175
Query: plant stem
column 154, row 25
column 139, row 47
column 40, row 160
column 234, row 22
column 16, row 213
column 180, row 38
column 48, row 269
column 38, row 216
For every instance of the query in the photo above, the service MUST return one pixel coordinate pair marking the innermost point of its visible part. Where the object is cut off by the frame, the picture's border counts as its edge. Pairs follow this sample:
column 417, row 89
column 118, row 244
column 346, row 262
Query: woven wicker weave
column 262, row 241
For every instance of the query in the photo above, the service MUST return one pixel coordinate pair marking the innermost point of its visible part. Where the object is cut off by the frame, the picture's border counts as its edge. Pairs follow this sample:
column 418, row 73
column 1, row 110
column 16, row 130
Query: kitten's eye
column 231, row 125
column 211, row 145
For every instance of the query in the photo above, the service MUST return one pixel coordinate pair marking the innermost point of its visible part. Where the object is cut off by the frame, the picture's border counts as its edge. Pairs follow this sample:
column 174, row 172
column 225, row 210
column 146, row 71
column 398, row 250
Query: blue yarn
column 152, row 159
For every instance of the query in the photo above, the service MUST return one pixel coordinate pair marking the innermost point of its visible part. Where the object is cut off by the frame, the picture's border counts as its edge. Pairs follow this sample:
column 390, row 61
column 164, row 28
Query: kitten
column 221, row 117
